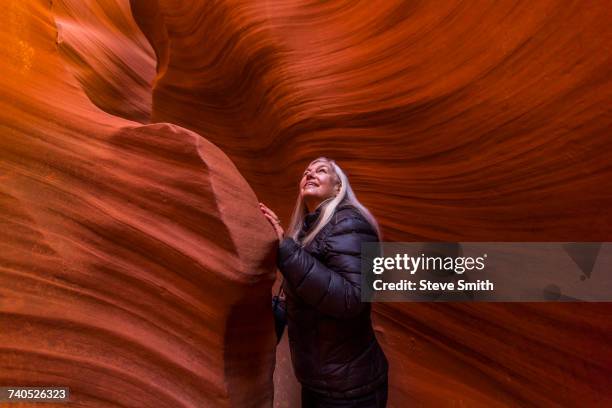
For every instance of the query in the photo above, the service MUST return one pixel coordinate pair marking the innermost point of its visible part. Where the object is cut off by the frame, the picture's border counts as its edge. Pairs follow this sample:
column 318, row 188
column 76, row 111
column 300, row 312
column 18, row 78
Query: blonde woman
column 334, row 351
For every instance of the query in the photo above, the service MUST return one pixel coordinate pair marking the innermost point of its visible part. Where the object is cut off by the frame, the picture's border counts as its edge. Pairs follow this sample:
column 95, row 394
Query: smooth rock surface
column 135, row 265
column 135, row 260
column 455, row 121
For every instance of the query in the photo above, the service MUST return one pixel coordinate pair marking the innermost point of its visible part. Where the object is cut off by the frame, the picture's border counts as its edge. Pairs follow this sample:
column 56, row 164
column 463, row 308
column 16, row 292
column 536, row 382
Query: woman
column 334, row 350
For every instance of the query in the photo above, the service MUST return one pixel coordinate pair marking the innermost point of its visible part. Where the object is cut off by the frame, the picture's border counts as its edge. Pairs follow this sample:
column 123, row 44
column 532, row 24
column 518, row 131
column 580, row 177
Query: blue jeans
column 375, row 399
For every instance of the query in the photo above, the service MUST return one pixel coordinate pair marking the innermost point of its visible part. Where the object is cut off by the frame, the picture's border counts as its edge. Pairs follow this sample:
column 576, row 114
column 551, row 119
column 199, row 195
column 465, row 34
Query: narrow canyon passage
column 138, row 136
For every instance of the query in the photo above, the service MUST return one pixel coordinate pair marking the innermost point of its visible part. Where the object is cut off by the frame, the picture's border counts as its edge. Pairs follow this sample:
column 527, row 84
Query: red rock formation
column 107, row 53
column 134, row 260
column 455, row 121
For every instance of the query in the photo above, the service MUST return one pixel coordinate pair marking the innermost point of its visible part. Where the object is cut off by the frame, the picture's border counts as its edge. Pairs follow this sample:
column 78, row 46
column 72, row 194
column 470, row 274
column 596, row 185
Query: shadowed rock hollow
column 134, row 259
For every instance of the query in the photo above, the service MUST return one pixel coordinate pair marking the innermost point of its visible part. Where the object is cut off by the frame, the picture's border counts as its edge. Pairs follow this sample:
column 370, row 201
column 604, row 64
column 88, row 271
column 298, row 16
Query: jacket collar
column 311, row 217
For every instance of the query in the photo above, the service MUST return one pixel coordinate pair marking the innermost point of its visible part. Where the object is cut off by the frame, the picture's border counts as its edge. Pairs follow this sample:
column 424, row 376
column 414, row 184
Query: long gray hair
column 328, row 207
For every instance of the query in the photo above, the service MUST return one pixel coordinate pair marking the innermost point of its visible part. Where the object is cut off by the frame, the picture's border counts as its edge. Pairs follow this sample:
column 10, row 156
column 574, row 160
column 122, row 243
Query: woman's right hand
column 273, row 220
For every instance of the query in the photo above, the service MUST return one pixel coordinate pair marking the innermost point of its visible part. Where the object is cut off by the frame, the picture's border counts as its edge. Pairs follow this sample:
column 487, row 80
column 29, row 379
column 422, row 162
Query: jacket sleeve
column 334, row 285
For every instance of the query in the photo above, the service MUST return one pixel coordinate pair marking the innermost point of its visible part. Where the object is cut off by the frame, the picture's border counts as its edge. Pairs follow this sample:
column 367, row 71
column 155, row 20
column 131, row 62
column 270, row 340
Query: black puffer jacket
column 333, row 347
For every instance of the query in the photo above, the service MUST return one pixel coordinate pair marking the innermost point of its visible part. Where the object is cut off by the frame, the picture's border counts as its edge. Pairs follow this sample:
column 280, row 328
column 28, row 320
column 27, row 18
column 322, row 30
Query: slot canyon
column 138, row 136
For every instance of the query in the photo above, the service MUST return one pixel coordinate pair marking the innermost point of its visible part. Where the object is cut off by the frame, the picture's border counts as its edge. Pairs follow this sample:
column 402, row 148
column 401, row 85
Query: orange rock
column 455, row 122
column 135, row 260
column 135, row 266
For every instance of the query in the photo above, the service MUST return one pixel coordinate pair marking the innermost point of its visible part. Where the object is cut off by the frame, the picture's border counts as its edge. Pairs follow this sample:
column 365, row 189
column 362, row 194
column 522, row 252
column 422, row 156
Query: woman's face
column 318, row 183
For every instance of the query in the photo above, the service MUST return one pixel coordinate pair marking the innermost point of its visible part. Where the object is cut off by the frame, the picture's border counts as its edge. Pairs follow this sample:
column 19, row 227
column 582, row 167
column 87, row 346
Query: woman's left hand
column 273, row 219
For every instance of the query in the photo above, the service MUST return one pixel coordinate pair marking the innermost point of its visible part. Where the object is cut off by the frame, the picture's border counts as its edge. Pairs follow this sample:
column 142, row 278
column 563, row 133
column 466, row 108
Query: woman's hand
column 273, row 219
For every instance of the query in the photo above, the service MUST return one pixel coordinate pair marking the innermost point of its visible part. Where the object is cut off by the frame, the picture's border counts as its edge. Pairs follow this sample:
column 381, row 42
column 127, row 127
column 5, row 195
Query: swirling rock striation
column 455, row 121
column 135, row 260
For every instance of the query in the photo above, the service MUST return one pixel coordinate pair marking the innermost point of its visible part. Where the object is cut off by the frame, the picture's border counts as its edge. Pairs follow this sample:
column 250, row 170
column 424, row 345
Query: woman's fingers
column 264, row 209
column 267, row 211
column 273, row 220
column 280, row 233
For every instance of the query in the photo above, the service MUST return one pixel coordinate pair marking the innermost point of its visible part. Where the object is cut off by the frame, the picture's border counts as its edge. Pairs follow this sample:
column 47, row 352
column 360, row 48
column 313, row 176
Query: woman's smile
column 318, row 183
column 311, row 184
